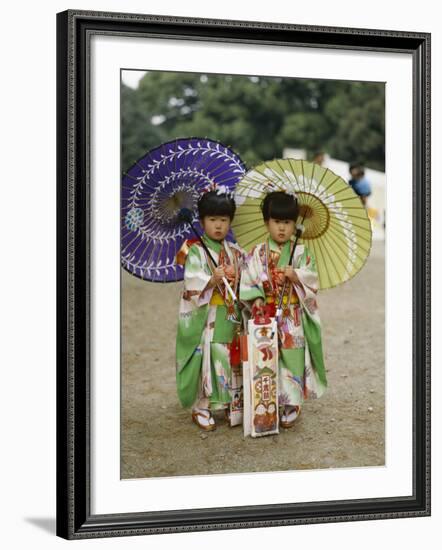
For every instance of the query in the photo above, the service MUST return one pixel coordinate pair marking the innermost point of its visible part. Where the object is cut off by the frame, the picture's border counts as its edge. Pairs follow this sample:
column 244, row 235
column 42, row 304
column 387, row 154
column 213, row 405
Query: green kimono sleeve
column 307, row 290
column 193, row 313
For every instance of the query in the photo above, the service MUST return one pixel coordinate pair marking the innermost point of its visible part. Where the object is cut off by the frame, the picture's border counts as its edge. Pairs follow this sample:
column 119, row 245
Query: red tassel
column 235, row 353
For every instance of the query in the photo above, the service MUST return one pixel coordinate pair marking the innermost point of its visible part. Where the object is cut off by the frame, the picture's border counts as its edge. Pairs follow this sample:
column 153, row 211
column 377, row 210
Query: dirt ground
column 344, row 428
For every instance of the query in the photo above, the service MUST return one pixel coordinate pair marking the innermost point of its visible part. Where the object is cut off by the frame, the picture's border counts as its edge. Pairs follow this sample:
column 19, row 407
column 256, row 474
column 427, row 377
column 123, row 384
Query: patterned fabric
column 301, row 361
column 206, row 339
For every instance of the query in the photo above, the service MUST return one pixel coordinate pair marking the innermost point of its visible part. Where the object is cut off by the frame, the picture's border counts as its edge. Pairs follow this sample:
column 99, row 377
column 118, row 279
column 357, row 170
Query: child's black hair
column 214, row 204
column 280, row 206
column 357, row 166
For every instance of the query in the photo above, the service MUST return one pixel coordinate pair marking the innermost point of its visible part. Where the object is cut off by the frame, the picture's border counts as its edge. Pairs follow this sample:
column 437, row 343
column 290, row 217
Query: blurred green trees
column 257, row 116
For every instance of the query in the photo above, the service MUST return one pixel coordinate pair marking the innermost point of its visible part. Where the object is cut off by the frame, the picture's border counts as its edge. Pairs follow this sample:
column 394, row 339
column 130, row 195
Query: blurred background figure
column 359, row 183
column 318, row 158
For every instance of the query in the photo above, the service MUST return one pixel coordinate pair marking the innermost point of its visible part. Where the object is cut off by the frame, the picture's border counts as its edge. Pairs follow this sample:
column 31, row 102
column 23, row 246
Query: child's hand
column 280, row 276
column 217, row 276
column 229, row 272
column 290, row 273
column 257, row 308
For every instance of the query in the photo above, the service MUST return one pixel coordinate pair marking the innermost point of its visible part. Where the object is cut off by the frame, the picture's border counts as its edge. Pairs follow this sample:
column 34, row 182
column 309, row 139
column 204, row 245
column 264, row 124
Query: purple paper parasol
column 165, row 180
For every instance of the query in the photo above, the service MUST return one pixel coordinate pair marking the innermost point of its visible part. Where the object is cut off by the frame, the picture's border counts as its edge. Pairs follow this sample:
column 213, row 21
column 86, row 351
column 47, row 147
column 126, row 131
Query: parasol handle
column 281, row 296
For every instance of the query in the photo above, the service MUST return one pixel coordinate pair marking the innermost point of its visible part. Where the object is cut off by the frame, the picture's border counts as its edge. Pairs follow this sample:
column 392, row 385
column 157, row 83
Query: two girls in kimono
column 208, row 333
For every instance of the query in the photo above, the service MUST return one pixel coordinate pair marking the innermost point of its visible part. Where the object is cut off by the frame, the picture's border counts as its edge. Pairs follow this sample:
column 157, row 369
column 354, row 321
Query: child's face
column 280, row 230
column 216, row 227
column 356, row 173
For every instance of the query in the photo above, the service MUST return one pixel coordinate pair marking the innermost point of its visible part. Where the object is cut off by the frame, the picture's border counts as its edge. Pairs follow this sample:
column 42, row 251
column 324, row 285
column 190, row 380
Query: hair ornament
column 219, row 190
column 292, row 193
column 224, row 190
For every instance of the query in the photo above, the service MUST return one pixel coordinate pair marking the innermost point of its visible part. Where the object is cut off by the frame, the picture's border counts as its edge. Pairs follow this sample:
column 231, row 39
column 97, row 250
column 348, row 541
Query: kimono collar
column 284, row 251
column 214, row 245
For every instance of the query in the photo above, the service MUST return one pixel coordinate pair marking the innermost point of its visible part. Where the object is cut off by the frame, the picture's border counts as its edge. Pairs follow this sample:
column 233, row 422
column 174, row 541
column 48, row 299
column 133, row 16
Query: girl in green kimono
column 301, row 362
column 208, row 324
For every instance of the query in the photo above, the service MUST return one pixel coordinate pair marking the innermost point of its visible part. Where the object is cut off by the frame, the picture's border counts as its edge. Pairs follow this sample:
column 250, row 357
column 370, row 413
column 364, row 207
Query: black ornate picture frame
column 74, row 32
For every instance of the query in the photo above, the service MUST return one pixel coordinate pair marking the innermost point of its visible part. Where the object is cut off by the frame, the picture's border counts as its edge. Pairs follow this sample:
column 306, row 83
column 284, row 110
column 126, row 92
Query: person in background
column 318, row 158
column 359, row 183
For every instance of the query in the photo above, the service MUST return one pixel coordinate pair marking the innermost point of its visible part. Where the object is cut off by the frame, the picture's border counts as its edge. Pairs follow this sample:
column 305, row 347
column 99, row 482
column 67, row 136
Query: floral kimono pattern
column 206, row 344
column 301, row 361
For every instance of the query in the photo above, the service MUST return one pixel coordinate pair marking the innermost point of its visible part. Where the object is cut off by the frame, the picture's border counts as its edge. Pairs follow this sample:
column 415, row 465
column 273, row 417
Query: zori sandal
column 289, row 416
column 203, row 419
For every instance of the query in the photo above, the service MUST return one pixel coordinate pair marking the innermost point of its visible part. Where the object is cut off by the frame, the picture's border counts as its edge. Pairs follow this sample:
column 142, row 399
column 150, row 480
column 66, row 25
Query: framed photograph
column 159, row 120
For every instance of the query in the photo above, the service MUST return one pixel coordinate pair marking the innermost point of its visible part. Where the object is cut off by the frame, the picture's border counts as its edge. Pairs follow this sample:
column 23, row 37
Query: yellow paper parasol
column 337, row 228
